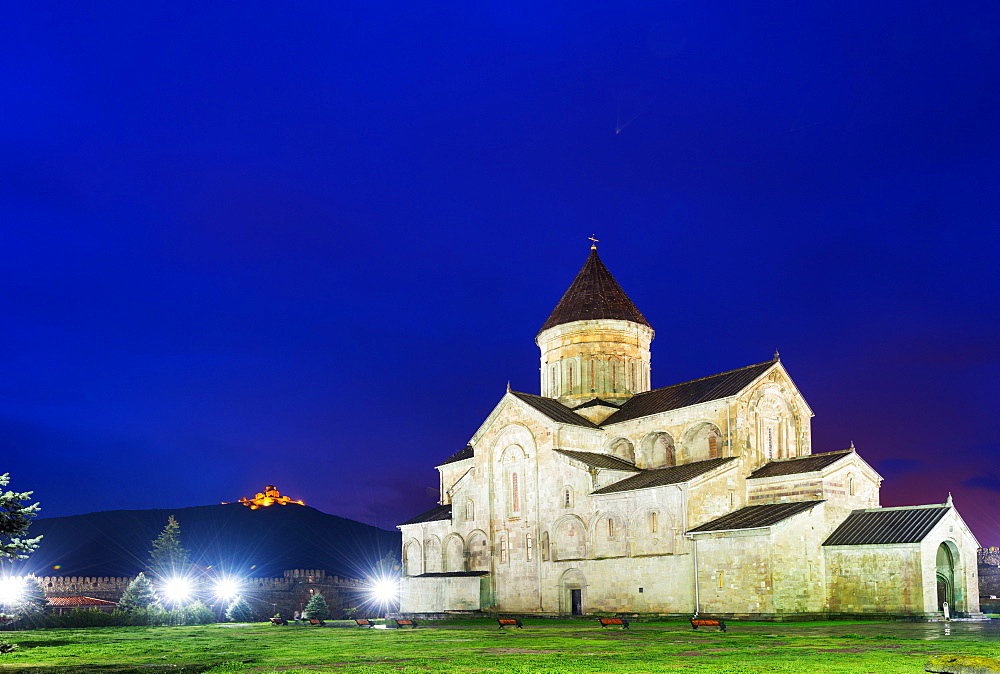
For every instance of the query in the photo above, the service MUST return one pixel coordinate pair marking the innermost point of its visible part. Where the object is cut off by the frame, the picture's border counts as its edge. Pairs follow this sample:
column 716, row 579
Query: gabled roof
column 441, row 512
column 79, row 601
column 664, row 476
column 755, row 516
column 801, row 464
column 555, row 410
column 594, row 294
column 466, row 452
column 886, row 526
column 599, row 460
column 688, row 393
column 597, row 402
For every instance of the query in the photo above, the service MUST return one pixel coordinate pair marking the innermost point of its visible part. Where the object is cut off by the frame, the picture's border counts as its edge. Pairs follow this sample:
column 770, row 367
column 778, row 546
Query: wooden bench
column 619, row 622
column 278, row 621
column 510, row 622
column 317, row 621
column 405, row 622
column 708, row 622
column 364, row 622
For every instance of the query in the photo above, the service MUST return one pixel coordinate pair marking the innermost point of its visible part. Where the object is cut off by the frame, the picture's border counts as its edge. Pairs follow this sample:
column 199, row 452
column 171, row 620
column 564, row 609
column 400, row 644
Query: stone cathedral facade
column 602, row 495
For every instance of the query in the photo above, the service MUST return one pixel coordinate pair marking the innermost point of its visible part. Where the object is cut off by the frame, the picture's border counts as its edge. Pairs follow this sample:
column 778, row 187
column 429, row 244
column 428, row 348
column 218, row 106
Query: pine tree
column 14, row 520
column 32, row 599
column 168, row 557
column 317, row 608
column 139, row 595
column 239, row 611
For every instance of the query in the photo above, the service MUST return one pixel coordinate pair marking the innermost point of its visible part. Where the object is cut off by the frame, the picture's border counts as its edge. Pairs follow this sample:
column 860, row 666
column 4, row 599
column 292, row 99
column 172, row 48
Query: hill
column 232, row 538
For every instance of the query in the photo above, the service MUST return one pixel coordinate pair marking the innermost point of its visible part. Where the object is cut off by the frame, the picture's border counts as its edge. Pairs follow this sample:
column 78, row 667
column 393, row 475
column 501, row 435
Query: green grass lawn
column 477, row 646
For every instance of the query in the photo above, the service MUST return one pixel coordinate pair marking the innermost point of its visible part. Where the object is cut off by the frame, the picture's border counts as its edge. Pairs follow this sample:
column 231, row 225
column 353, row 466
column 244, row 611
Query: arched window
column 503, row 549
column 529, row 547
column 713, row 446
column 653, row 524
column 545, row 546
column 515, row 494
column 850, row 486
column 570, row 373
column 470, row 510
column 611, row 527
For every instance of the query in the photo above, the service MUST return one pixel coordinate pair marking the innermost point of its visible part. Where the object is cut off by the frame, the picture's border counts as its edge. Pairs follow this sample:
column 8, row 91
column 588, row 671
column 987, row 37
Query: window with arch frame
column 470, row 510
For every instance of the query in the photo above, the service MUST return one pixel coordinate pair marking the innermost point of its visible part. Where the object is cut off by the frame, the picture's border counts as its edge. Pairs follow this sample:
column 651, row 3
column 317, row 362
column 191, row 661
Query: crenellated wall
column 267, row 596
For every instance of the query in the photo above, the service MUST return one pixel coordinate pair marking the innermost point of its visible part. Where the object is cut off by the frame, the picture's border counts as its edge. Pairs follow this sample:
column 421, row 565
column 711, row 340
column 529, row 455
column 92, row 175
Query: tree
column 139, row 595
column 32, row 597
column 168, row 557
column 318, row 608
column 14, row 520
column 239, row 611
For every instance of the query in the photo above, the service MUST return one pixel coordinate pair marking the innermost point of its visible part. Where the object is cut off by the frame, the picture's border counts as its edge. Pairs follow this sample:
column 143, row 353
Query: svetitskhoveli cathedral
column 603, row 495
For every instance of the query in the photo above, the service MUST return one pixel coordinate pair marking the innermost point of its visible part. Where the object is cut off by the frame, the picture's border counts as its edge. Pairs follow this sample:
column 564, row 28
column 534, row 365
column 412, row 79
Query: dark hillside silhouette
column 230, row 538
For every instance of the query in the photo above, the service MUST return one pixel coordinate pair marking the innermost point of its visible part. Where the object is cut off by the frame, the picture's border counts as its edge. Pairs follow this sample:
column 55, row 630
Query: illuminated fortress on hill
column 271, row 496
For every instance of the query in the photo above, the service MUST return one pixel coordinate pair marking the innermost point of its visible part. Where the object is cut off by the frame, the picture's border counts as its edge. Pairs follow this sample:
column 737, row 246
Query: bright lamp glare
column 384, row 590
column 177, row 589
column 11, row 589
column 227, row 588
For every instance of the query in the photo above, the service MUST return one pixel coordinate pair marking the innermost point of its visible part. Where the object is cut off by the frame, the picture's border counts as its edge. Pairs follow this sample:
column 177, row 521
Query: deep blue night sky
column 308, row 243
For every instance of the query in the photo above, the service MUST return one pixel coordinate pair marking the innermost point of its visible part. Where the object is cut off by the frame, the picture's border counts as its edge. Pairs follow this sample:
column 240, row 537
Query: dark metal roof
column 755, row 516
column 555, row 410
column 802, row 464
column 452, row 574
column 599, row 460
column 688, row 393
column 441, row 512
column 886, row 526
column 594, row 294
column 466, row 452
column 663, row 476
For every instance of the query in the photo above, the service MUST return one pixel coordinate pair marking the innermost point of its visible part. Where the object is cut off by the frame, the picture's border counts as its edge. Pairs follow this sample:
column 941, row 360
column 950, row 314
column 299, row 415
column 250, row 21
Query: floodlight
column 177, row 589
column 384, row 590
column 227, row 588
column 11, row 590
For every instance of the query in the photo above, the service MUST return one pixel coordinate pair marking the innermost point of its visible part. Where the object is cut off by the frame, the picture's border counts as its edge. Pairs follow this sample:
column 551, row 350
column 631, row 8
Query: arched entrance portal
column 946, row 563
column 572, row 592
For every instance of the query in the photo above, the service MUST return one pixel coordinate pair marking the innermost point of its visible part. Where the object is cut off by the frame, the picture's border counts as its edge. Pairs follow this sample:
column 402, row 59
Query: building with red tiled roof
column 61, row 605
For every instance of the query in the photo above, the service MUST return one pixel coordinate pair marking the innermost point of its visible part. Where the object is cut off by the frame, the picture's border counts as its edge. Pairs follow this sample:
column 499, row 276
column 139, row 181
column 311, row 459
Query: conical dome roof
column 594, row 294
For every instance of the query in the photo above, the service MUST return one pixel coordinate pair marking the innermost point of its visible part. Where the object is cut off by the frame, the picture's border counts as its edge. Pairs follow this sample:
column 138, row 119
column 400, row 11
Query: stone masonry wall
column 267, row 596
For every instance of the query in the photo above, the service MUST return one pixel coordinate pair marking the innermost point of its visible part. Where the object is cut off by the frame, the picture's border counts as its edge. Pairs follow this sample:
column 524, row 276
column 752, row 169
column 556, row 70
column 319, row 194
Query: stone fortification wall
column 104, row 587
column 267, row 596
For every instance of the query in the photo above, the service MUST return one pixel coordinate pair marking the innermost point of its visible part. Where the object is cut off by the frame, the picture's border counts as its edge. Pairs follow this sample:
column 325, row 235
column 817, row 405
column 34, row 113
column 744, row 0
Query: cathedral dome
column 594, row 294
column 595, row 344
